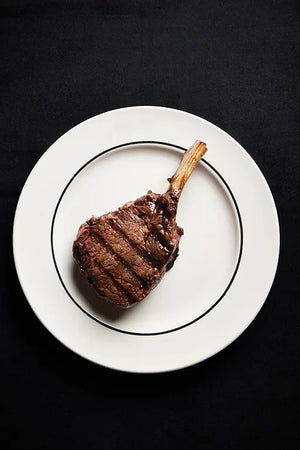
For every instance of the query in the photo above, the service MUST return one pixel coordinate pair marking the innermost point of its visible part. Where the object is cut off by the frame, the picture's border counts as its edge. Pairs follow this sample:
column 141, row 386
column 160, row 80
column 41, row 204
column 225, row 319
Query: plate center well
column 208, row 252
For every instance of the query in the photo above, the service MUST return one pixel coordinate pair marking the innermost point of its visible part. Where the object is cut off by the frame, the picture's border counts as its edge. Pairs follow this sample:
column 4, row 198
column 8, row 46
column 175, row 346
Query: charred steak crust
column 125, row 253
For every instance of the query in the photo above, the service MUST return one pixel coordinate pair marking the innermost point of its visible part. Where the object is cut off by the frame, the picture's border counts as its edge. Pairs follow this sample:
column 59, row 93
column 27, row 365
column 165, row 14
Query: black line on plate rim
column 172, row 329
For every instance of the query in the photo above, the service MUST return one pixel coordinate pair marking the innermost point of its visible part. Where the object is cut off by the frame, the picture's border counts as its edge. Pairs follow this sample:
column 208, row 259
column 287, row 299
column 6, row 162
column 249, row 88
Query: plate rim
column 270, row 199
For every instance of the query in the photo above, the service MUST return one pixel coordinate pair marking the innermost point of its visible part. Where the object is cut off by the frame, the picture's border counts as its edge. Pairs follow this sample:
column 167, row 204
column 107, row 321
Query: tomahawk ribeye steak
column 125, row 253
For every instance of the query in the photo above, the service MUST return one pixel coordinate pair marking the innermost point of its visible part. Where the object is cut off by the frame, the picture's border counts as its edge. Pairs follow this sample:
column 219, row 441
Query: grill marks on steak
column 125, row 253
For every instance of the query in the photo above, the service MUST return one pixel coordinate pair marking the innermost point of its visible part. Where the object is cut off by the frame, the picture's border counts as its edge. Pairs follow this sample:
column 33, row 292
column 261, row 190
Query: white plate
column 228, row 254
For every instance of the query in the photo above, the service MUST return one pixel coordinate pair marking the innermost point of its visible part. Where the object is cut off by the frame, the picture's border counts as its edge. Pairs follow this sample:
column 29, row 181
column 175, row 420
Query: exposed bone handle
column 187, row 164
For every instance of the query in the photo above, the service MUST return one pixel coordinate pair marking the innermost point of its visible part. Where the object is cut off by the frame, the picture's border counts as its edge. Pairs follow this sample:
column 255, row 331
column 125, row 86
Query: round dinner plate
column 227, row 256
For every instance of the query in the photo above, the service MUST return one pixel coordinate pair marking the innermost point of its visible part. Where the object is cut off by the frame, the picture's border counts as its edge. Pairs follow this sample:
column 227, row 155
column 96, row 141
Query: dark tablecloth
column 233, row 63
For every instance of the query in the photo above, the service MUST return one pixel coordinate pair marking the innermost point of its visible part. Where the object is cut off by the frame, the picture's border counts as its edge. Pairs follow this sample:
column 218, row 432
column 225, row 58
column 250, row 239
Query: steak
column 125, row 253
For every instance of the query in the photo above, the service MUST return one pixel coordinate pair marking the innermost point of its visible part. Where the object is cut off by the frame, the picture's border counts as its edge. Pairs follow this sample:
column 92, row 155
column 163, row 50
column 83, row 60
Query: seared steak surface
column 125, row 253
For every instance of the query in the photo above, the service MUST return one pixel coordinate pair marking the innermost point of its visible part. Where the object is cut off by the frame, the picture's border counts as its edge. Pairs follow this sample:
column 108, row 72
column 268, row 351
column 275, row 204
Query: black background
column 233, row 63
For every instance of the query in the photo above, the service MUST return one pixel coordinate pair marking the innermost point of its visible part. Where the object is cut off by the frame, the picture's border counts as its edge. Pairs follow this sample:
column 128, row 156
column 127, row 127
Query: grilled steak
column 125, row 253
